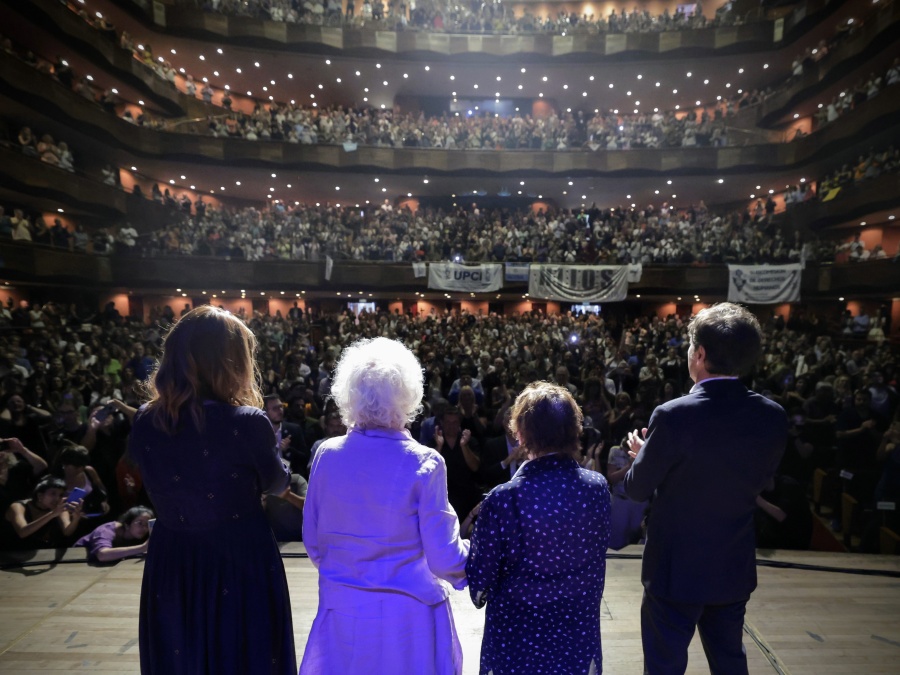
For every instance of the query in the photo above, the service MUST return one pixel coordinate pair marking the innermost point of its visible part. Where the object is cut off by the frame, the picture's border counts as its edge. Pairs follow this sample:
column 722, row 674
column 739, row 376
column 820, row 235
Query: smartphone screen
column 77, row 494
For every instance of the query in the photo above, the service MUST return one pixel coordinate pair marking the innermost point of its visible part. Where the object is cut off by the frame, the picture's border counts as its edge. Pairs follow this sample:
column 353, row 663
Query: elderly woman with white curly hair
column 378, row 526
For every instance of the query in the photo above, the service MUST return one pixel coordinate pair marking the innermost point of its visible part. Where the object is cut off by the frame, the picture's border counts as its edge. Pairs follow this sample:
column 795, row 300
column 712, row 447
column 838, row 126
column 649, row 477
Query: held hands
column 635, row 441
column 464, row 438
column 285, row 443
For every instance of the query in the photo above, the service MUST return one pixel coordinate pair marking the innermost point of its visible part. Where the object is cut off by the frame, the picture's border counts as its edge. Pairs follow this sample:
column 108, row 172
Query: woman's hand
column 60, row 507
column 76, row 508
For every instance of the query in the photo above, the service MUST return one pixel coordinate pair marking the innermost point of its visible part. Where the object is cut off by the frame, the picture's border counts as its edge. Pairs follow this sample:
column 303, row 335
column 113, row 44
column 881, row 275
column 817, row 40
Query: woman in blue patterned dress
column 538, row 552
column 214, row 598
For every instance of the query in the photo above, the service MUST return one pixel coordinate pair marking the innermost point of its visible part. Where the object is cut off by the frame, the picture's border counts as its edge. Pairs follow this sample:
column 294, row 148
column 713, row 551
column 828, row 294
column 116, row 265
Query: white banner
column 517, row 271
column 447, row 276
column 635, row 272
column 764, row 284
column 420, row 270
column 579, row 283
column 329, row 265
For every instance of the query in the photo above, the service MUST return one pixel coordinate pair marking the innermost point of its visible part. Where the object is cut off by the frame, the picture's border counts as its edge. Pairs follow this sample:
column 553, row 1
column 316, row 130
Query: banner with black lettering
column 764, row 284
column 447, row 276
column 579, row 283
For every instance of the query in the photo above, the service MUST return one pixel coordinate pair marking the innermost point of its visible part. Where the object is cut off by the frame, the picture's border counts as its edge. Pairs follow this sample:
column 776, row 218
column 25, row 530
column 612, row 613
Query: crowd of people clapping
column 472, row 17
column 484, row 131
column 650, row 235
column 71, row 376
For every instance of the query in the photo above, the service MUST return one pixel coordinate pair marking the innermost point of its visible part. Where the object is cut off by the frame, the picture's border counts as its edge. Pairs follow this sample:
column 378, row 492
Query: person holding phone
column 379, row 527
column 78, row 473
column 47, row 519
column 214, row 597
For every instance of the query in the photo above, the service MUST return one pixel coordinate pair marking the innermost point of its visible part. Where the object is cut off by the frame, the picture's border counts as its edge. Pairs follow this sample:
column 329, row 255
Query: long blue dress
column 214, row 597
column 538, row 559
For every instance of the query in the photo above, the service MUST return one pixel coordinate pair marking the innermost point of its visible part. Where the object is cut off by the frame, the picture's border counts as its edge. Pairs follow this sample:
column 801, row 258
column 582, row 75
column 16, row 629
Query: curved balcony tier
column 37, row 264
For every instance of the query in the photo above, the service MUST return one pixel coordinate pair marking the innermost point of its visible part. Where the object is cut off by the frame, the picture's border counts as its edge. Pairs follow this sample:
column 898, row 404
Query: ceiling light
column 705, row 81
column 610, row 85
column 327, row 62
column 427, row 68
column 220, row 51
column 256, row 63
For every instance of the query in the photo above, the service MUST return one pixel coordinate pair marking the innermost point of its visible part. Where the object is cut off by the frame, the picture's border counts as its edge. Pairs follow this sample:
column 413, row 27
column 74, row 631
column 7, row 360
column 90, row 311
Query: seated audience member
column 19, row 468
column 123, row 538
column 24, row 422
column 46, row 520
column 783, row 518
column 77, row 473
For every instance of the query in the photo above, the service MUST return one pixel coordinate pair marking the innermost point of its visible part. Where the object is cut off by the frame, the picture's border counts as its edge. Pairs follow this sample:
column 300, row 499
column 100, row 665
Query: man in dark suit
column 284, row 511
column 501, row 457
column 704, row 459
column 290, row 442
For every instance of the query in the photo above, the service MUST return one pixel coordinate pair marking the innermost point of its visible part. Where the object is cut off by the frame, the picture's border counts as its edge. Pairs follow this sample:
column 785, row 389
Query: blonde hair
column 378, row 384
column 207, row 355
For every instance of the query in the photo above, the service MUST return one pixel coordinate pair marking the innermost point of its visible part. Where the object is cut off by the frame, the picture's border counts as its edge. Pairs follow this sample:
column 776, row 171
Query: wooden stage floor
column 72, row 617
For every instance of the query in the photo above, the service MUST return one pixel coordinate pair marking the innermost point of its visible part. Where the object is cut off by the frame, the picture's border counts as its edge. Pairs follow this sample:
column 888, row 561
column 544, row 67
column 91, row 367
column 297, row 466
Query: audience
column 619, row 371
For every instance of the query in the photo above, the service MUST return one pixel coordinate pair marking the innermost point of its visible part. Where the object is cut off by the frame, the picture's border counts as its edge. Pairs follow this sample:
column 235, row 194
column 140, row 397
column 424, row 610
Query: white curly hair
column 378, row 384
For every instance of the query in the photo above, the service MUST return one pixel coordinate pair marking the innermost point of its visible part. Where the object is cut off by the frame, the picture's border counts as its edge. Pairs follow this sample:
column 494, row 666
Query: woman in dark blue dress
column 214, row 597
column 538, row 552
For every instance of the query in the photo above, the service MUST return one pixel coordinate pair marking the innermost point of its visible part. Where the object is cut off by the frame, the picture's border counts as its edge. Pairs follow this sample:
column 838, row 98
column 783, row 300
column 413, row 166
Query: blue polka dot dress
column 538, row 560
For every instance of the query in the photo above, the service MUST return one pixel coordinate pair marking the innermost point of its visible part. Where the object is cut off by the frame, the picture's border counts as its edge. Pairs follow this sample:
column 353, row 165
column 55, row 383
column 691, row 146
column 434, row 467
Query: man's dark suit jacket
column 297, row 453
column 491, row 472
column 707, row 457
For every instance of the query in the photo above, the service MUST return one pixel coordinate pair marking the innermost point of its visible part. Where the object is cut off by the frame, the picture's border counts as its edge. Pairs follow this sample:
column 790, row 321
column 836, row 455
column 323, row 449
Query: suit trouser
column 667, row 629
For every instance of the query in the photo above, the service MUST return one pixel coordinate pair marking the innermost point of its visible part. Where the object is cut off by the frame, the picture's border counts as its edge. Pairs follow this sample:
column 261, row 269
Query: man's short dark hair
column 268, row 398
column 731, row 337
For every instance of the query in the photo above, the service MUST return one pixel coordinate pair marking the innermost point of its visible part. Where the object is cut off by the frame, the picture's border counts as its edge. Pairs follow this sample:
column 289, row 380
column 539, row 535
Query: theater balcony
column 185, row 19
column 871, row 123
column 33, row 264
